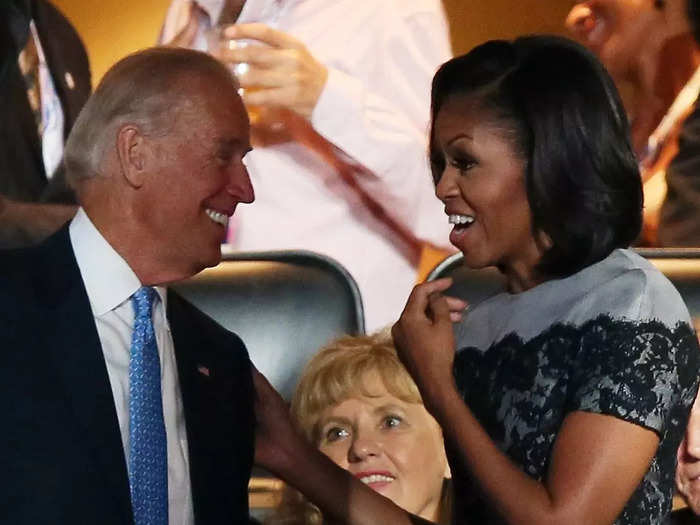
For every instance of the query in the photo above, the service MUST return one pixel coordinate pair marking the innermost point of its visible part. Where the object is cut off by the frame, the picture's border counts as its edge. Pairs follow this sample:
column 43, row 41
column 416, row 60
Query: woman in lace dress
column 564, row 398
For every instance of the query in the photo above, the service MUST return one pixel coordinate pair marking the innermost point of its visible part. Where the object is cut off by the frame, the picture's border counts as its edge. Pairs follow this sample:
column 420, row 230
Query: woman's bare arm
column 597, row 461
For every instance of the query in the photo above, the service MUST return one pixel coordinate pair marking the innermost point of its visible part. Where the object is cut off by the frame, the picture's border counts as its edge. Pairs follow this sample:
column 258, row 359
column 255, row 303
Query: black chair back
column 283, row 304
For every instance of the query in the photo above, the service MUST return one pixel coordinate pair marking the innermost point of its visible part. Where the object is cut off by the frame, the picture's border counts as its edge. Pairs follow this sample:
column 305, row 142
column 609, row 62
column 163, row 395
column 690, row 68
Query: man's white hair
column 144, row 89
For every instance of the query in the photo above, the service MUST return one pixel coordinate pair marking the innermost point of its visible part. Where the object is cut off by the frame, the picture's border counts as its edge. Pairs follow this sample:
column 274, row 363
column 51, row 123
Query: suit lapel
column 190, row 385
column 71, row 336
column 216, row 386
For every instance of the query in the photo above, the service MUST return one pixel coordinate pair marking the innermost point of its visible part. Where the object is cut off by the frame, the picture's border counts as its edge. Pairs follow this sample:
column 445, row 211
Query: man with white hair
column 121, row 402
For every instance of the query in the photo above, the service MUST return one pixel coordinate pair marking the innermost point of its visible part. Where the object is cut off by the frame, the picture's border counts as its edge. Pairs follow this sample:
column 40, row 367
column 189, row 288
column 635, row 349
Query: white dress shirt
column 381, row 56
column 110, row 283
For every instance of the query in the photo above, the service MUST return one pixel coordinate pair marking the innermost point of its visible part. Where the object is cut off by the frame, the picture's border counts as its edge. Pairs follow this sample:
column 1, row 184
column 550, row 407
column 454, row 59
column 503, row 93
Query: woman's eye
column 336, row 433
column 392, row 421
column 462, row 164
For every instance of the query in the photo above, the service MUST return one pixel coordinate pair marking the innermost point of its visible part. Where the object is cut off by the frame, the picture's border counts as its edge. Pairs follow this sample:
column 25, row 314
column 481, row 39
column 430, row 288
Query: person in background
column 684, row 186
column 347, row 177
column 648, row 46
column 356, row 402
column 679, row 223
column 688, row 469
column 44, row 83
column 122, row 403
column 564, row 398
column 684, row 178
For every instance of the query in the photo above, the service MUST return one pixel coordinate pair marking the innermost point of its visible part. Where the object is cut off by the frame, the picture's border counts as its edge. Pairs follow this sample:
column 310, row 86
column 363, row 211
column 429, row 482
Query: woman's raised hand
column 424, row 338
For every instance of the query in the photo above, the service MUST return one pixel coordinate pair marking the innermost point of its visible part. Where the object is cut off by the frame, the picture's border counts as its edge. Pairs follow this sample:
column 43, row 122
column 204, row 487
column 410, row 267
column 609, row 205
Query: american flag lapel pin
column 203, row 370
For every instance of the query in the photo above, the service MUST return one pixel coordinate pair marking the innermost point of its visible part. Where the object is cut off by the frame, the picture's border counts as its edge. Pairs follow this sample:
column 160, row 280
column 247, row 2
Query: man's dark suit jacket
column 22, row 173
column 61, row 455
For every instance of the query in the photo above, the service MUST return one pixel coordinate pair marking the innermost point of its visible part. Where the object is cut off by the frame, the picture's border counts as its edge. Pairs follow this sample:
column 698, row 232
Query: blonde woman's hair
column 339, row 371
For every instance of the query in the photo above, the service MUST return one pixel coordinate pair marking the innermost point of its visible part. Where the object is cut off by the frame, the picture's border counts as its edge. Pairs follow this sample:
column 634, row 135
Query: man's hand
column 281, row 73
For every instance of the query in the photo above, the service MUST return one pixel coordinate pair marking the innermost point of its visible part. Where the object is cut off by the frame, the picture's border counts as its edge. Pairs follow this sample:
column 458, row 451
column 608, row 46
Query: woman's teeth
column 376, row 478
column 461, row 220
column 217, row 216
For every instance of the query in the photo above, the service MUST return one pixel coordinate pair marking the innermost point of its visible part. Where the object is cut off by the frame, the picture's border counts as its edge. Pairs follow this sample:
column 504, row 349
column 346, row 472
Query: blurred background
column 114, row 28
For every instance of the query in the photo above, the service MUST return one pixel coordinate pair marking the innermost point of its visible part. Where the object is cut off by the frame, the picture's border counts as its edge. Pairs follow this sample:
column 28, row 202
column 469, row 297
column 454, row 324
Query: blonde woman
column 358, row 405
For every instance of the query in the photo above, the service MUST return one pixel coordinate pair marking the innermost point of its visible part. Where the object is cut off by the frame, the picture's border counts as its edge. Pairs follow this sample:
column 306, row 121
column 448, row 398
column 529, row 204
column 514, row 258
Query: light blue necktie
column 148, row 452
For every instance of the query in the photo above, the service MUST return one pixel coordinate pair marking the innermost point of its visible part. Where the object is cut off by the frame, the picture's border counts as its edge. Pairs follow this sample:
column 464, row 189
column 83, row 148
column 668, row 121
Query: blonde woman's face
column 392, row 446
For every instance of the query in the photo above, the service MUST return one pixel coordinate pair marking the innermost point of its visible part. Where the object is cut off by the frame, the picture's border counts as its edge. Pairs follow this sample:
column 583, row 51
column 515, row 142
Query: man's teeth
column 217, row 216
column 376, row 478
column 460, row 219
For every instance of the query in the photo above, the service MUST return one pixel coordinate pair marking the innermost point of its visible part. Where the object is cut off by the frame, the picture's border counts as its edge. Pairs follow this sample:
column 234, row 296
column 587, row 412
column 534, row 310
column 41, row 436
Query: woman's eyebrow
column 333, row 419
column 388, row 407
column 458, row 137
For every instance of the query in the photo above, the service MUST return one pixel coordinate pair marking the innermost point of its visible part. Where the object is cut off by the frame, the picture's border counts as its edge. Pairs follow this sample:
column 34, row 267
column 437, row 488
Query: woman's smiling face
column 391, row 445
column 483, row 188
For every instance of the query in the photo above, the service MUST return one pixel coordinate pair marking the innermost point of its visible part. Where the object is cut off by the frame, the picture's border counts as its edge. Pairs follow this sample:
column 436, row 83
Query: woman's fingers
column 456, row 304
column 438, row 308
column 419, row 298
column 426, row 301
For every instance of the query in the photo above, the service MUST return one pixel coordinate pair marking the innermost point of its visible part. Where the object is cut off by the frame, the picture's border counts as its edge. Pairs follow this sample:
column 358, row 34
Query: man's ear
column 133, row 153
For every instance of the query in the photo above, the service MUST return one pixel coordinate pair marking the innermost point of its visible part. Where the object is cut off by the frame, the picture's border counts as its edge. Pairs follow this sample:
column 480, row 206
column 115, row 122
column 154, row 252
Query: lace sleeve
column 641, row 372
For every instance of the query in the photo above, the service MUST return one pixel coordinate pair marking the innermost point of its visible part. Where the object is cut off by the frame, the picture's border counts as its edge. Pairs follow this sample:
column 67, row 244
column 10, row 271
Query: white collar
column 177, row 16
column 109, row 280
column 212, row 8
column 253, row 10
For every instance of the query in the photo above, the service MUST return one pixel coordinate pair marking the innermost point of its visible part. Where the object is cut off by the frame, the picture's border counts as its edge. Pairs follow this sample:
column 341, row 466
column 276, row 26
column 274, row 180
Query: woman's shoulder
column 622, row 287
column 627, row 286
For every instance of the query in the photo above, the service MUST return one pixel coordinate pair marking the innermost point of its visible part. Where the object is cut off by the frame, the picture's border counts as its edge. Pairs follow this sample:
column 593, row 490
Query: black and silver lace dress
column 614, row 338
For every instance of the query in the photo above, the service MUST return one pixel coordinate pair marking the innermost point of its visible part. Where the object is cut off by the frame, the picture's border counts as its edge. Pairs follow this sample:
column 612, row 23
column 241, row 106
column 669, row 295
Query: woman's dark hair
column 567, row 121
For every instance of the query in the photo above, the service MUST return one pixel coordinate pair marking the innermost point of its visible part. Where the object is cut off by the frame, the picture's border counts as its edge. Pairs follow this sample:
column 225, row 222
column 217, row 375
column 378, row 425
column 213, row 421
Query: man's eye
column 336, row 433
